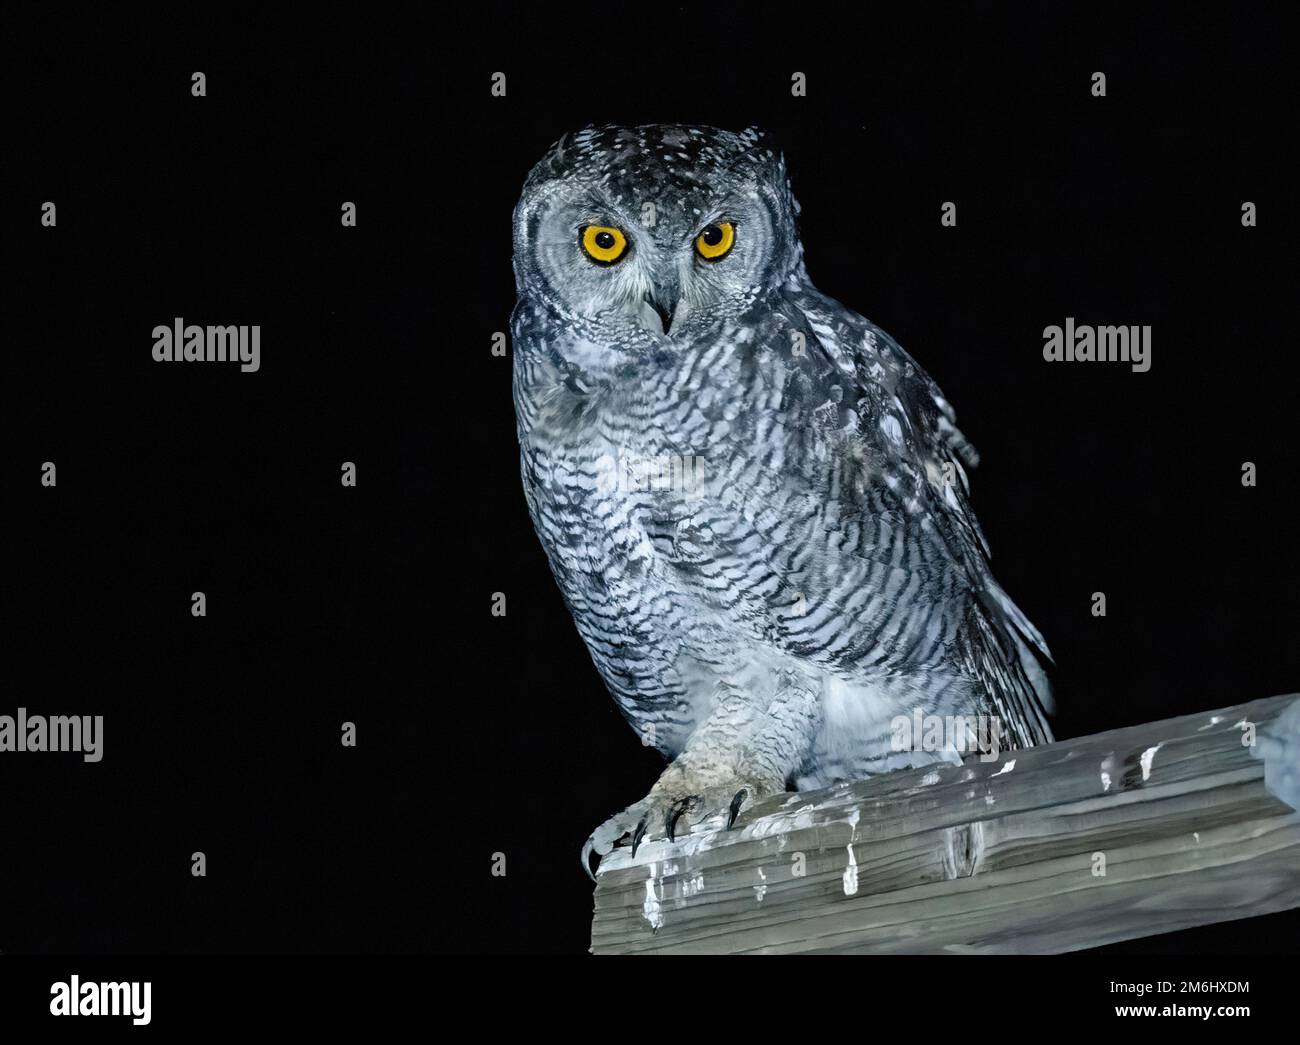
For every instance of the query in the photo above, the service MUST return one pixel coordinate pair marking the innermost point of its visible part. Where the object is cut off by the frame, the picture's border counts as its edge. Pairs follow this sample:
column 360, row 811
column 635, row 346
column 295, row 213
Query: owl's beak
column 664, row 301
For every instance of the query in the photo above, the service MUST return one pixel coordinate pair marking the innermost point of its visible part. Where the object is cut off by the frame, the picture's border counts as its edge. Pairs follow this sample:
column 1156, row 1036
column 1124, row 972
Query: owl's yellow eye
column 604, row 244
column 715, row 241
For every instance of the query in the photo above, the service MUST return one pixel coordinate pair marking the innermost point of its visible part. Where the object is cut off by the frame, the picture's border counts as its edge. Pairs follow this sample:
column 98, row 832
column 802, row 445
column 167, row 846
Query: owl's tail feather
column 1016, row 665
column 1016, row 616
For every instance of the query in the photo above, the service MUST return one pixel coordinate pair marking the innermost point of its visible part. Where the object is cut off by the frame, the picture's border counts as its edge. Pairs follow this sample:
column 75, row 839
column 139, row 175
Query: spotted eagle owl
column 752, row 498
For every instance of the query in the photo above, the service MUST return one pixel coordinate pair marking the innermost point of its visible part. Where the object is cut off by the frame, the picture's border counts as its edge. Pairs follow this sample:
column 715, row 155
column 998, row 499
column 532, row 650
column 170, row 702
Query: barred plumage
column 754, row 501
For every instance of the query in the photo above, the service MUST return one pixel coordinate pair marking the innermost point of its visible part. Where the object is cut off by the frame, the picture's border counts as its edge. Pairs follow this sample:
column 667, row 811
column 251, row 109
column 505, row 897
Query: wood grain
column 1003, row 856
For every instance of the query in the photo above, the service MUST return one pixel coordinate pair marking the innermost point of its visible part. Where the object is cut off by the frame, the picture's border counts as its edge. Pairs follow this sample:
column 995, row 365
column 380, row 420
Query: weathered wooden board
column 1076, row 844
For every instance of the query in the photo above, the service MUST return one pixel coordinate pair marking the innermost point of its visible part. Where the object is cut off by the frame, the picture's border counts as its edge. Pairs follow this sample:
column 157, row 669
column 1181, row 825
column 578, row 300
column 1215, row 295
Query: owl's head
column 641, row 236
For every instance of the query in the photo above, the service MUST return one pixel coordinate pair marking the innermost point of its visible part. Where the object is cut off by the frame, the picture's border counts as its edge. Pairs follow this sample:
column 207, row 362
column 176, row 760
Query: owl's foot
column 679, row 802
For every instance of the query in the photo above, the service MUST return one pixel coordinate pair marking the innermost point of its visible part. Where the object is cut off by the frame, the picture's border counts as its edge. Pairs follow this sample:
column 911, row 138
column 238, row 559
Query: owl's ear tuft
column 763, row 146
column 554, row 162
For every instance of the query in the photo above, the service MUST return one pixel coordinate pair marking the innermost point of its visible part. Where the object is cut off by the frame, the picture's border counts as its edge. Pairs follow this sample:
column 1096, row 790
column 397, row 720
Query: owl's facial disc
column 607, row 245
column 666, row 270
column 647, row 238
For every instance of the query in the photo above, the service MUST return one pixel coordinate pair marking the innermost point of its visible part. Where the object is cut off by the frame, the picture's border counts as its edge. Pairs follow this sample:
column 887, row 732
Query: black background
column 478, row 734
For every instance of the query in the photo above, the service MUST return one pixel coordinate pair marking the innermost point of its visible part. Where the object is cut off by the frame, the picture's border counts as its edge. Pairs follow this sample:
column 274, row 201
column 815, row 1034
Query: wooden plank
column 1076, row 844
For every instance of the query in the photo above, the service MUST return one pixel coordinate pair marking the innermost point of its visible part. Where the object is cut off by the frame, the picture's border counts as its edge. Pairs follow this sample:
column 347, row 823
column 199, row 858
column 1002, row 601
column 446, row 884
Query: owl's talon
column 587, row 850
column 666, row 805
column 609, row 835
column 675, row 812
column 736, row 802
column 640, row 833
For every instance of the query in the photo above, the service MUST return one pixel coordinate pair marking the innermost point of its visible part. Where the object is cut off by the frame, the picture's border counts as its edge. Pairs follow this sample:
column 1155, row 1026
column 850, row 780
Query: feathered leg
column 742, row 752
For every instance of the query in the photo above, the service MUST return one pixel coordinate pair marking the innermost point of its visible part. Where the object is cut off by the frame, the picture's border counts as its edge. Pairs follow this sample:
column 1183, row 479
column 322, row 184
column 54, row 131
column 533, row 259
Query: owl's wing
column 915, row 457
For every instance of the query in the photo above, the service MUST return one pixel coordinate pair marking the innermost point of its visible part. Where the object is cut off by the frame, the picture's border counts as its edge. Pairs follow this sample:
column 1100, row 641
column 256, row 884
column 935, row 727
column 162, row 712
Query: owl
column 755, row 503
